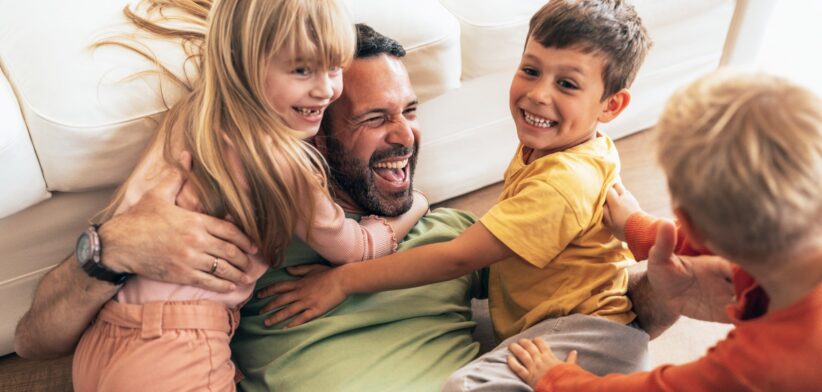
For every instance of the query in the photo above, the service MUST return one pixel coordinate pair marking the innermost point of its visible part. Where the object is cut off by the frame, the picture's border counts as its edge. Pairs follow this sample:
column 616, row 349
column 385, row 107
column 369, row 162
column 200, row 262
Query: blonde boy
column 743, row 157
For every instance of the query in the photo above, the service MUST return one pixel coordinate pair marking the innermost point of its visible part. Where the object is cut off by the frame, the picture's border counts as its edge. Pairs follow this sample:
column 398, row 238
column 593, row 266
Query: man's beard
column 355, row 177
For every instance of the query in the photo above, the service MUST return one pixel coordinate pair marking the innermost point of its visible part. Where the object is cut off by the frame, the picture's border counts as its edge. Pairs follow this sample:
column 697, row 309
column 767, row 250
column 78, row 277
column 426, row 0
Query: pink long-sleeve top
column 335, row 237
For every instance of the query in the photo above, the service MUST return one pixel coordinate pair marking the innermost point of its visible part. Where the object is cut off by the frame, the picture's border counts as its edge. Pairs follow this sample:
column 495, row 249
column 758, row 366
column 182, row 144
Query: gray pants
column 604, row 347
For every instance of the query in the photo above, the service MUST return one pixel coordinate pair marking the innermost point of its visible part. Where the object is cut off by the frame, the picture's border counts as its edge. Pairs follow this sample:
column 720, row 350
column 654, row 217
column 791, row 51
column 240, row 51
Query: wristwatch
column 87, row 252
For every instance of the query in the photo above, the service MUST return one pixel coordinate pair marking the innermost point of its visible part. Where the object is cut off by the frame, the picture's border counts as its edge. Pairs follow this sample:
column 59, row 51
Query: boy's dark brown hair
column 609, row 27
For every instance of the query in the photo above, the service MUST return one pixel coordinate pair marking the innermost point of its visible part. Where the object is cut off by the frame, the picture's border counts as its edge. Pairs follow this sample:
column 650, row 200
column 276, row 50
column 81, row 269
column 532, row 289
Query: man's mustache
column 398, row 151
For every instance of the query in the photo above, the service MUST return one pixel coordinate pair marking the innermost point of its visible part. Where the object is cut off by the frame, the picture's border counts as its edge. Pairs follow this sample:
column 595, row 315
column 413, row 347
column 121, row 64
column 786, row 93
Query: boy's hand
column 531, row 360
column 307, row 298
column 619, row 205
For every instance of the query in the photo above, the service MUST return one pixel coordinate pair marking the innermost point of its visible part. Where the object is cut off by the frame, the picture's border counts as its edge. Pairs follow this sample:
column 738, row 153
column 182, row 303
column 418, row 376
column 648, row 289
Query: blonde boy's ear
column 686, row 225
column 614, row 105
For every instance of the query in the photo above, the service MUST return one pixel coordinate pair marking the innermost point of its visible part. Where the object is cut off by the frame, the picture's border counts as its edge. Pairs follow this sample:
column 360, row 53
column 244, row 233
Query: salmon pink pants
column 158, row 346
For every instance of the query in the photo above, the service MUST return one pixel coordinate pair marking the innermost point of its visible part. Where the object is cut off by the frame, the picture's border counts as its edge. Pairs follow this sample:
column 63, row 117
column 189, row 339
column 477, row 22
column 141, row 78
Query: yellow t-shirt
column 550, row 216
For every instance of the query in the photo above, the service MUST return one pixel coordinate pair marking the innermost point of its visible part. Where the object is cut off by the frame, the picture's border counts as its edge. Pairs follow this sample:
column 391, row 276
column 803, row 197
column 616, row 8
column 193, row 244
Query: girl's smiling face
column 300, row 90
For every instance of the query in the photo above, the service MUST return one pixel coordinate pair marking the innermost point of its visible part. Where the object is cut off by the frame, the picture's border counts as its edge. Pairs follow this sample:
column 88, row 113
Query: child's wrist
column 342, row 280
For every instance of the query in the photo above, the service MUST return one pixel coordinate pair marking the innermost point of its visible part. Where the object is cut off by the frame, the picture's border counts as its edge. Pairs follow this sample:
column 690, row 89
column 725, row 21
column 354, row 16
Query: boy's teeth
column 538, row 122
column 391, row 165
column 308, row 112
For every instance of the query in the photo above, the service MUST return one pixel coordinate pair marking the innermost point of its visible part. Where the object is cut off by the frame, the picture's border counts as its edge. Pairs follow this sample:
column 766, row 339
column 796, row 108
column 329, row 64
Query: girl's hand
column 420, row 206
column 619, row 205
column 531, row 360
column 317, row 292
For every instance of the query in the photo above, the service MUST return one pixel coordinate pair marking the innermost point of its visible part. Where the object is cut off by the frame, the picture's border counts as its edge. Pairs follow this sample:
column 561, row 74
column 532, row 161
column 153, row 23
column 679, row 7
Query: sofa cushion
column 492, row 35
column 429, row 33
column 85, row 120
column 23, row 185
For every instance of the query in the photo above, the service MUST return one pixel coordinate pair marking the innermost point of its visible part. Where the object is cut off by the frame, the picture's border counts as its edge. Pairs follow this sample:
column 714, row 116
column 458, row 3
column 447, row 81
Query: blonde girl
column 267, row 71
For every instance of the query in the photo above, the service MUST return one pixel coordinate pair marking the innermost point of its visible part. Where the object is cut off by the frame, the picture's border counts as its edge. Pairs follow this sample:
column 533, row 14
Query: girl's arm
column 342, row 240
column 318, row 293
column 402, row 224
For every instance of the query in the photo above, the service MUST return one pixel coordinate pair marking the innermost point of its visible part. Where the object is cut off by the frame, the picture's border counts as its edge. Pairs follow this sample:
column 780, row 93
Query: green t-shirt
column 400, row 340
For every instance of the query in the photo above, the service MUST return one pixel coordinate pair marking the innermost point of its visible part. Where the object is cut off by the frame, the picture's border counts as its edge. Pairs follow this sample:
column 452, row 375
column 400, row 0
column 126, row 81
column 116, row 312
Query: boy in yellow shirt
column 555, row 269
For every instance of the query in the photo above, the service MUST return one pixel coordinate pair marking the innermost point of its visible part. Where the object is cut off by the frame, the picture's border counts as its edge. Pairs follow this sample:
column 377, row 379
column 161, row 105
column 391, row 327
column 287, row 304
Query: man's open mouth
column 395, row 171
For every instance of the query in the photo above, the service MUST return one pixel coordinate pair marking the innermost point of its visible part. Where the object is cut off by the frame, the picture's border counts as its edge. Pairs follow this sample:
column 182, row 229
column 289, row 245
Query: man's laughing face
column 370, row 135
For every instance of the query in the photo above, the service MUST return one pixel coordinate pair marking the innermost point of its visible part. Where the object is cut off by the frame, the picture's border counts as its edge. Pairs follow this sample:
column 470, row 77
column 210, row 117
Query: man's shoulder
column 439, row 225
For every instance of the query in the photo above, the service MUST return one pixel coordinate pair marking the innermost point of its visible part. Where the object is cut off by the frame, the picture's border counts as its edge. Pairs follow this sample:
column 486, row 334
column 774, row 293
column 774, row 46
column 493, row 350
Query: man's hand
column 698, row 287
column 619, row 205
column 532, row 359
column 158, row 240
column 307, row 298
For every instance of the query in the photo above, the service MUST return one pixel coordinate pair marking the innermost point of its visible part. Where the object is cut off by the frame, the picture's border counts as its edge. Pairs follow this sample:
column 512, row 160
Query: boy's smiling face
column 556, row 98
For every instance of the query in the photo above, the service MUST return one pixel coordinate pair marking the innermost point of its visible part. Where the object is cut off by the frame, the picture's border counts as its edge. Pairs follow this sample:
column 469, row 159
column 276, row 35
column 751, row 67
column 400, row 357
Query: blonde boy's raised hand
column 531, row 359
column 619, row 205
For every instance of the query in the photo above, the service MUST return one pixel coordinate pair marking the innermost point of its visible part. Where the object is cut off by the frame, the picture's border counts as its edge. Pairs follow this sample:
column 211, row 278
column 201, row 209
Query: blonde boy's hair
column 743, row 157
column 231, row 43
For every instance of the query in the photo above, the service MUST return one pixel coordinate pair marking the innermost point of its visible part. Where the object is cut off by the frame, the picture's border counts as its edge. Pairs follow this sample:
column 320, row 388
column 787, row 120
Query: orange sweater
column 776, row 351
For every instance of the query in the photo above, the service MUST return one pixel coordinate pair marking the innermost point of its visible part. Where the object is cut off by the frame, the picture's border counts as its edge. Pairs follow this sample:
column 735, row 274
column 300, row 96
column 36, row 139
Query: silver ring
column 214, row 266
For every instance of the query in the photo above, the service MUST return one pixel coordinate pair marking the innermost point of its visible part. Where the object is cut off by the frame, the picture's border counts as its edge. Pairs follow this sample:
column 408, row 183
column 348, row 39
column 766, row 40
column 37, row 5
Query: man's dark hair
column 609, row 27
column 371, row 43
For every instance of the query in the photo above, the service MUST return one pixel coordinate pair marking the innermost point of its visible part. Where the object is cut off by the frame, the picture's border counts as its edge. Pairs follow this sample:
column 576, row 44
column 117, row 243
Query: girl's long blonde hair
column 231, row 43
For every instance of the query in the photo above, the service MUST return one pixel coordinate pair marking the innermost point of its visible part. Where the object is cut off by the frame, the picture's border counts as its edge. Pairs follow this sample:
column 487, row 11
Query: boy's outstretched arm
column 321, row 291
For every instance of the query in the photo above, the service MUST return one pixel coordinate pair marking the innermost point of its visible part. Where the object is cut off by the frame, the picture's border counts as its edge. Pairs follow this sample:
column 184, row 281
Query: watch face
column 84, row 248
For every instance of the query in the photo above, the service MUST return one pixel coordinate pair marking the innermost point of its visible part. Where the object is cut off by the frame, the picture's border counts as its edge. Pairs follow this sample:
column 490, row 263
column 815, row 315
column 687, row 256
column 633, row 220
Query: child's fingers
column 529, row 346
column 522, row 354
column 279, row 302
column 517, row 367
column 611, row 197
column 572, row 357
column 618, row 187
column 302, row 318
column 277, row 288
column 542, row 345
column 284, row 314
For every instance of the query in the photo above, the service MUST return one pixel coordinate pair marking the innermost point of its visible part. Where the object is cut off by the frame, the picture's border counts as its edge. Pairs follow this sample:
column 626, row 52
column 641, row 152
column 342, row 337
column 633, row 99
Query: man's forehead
column 376, row 82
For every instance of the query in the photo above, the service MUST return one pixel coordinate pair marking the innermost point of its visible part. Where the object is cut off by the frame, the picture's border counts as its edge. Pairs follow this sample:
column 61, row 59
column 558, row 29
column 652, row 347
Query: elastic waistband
column 154, row 317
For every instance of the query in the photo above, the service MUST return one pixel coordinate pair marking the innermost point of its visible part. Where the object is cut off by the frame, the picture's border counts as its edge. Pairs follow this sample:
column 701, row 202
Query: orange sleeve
column 703, row 375
column 640, row 234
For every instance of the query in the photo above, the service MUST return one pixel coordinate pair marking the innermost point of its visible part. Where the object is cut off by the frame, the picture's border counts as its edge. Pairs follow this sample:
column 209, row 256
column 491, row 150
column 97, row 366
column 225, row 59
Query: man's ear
column 685, row 224
column 614, row 105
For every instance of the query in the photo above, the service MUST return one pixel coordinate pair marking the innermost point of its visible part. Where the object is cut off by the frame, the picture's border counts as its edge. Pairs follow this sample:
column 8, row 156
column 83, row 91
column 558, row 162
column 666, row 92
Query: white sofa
column 71, row 127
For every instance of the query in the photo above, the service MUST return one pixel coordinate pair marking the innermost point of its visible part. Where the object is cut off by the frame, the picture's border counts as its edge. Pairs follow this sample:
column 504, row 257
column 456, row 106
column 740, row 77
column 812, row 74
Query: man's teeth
column 391, row 165
column 309, row 112
column 538, row 122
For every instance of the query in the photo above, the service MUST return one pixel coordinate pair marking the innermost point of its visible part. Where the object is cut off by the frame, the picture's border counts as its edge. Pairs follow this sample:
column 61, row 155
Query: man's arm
column 154, row 239
column 65, row 302
column 654, row 315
